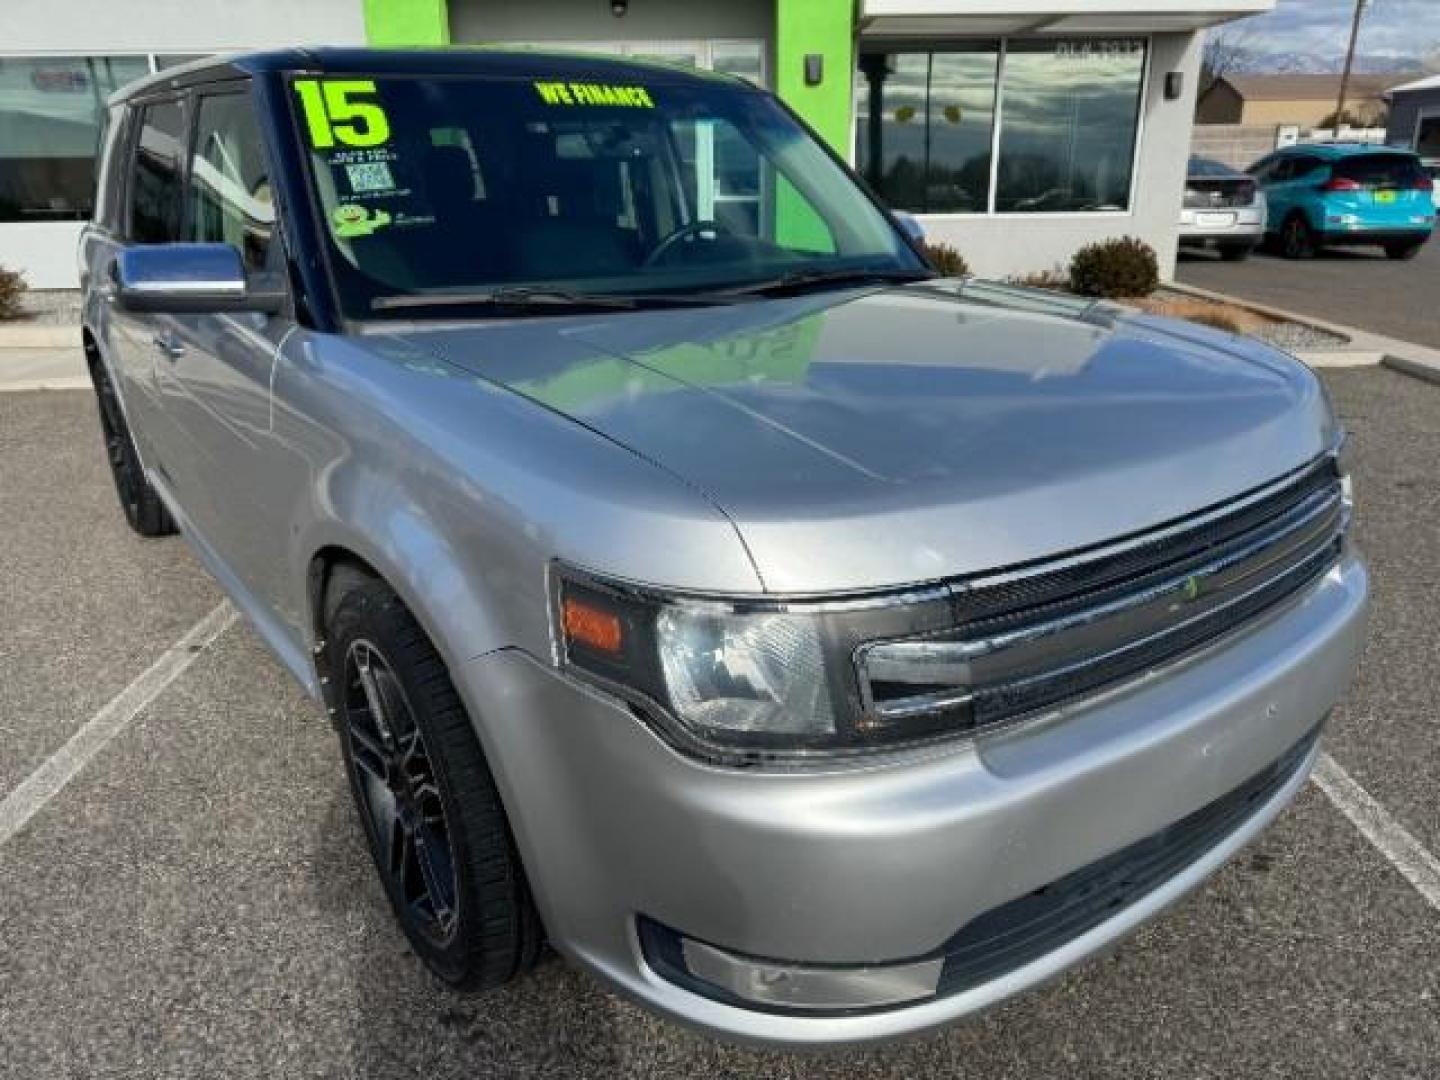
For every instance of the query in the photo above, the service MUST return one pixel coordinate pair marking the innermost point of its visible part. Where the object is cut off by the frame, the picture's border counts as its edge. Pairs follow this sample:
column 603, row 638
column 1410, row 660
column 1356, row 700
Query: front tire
column 144, row 510
column 428, row 804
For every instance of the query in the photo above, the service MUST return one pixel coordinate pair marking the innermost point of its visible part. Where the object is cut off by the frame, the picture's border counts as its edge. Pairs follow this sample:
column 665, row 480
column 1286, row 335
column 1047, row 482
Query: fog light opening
column 784, row 986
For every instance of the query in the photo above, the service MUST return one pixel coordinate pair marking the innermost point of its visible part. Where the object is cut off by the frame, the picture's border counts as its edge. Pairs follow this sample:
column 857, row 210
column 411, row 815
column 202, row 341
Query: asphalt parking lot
column 1355, row 286
column 197, row 900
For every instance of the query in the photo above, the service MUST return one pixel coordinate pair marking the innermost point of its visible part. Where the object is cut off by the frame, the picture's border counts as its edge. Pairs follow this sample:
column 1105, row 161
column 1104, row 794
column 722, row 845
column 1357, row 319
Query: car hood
column 876, row 437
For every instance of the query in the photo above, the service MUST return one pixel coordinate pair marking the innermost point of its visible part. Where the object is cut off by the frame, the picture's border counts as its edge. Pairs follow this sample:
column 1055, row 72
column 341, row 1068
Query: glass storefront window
column 925, row 123
column 1068, row 114
column 1067, row 136
column 51, row 110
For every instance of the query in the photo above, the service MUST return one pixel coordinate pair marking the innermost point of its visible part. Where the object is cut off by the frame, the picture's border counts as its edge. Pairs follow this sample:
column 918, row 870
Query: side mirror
column 189, row 279
column 910, row 226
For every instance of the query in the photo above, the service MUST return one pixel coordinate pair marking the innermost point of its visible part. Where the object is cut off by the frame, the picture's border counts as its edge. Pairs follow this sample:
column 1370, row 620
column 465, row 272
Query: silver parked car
column 1223, row 209
column 816, row 649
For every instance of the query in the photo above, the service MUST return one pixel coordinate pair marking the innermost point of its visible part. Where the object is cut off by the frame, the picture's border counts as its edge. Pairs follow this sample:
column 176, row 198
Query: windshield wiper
column 801, row 279
column 535, row 296
column 518, row 296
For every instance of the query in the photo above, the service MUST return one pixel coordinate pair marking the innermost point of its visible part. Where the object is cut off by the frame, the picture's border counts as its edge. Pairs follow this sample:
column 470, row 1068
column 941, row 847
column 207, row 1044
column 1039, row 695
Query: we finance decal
column 586, row 93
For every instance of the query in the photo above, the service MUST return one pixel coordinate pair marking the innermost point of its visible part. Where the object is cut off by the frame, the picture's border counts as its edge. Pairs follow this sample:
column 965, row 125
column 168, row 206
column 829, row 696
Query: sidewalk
column 43, row 369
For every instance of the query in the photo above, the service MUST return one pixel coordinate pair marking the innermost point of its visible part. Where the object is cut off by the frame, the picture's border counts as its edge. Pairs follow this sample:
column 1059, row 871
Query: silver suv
column 816, row 649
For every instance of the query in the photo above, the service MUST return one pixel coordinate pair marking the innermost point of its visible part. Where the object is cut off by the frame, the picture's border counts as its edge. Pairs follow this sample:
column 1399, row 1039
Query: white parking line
column 60, row 768
column 1389, row 837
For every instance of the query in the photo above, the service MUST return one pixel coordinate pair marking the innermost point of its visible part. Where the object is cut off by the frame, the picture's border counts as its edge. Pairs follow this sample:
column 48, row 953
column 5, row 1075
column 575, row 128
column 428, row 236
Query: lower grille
column 1025, row 929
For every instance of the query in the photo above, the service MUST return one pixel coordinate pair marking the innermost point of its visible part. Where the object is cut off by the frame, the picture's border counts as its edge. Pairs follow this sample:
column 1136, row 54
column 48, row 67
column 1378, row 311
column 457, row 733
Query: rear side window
column 1303, row 166
column 1380, row 170
column 231, row 199
column 155, row 182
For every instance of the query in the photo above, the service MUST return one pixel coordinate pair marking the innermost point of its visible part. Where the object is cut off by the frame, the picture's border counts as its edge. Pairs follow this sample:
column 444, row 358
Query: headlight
column 743, row 681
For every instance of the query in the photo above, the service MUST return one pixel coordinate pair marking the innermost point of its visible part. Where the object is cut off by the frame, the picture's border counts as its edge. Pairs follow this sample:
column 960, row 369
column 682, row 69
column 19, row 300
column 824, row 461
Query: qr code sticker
column 373, row 176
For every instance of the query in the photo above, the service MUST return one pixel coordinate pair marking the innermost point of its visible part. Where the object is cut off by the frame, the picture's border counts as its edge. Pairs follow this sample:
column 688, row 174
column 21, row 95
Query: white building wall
column 1005, row 245
column 45, row 250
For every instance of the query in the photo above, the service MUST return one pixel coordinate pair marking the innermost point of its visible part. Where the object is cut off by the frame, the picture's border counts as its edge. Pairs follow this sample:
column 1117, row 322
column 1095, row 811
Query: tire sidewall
column 370, row 614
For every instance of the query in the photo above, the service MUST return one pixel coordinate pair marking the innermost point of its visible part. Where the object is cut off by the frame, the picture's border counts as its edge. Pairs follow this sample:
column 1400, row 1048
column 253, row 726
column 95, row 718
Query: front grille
column 1045, row 634
column 1020, row 931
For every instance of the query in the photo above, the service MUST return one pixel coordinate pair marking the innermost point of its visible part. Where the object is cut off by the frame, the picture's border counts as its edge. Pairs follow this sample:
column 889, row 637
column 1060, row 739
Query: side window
column 231, row 200
column 155, row 181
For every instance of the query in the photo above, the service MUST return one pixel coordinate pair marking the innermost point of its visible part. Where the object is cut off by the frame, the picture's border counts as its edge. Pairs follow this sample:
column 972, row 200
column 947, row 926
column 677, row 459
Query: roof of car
column 1334, row 150
column 513, row 62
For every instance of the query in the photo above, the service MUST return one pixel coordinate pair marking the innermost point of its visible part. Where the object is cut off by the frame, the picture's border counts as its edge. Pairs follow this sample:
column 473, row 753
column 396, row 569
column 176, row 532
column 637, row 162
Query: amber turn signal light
column 591, row 626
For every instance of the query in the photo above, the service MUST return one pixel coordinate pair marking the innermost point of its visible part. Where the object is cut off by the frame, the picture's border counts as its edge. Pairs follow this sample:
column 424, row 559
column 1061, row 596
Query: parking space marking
column 60, row 768
column 1390, row 838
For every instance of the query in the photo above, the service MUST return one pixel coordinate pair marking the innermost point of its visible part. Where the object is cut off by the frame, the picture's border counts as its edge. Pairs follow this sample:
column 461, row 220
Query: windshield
column 442, row 188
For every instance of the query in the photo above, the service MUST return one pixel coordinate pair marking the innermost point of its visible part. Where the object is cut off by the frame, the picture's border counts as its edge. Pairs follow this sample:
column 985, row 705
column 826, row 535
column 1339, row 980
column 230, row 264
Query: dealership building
column 1016, row 130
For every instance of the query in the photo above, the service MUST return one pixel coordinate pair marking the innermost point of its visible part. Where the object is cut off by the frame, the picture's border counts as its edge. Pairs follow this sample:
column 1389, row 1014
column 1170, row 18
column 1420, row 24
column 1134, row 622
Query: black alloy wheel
column 399, row 798
column 429, row 807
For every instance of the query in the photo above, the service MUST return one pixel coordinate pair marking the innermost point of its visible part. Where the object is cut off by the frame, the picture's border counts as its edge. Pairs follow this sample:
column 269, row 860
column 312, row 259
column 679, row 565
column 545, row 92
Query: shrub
column 946, row 259
column 1115, row 269
column 12, row 285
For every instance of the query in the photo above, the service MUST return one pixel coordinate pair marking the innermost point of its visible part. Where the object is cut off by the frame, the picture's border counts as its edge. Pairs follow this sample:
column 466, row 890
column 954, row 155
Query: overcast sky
column 1391, row 27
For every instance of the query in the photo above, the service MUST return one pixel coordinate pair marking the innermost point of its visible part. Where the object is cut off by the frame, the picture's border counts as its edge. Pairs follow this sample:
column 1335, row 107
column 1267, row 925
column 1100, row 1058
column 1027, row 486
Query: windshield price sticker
column 336, row 113
column 581, row 93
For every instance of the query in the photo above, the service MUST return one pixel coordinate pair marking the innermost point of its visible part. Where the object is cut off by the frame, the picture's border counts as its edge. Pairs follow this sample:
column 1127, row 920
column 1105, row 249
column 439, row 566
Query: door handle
column 168, row 346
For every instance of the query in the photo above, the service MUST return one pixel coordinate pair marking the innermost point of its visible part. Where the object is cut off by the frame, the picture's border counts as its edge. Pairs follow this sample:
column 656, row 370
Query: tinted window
column 1380, row 170
column 155, row 180
column 230, row 193
column 1070, row 116
column 1302, row 166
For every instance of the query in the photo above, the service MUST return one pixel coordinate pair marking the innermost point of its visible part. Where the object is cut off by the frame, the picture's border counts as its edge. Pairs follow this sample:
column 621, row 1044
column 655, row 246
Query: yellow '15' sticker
column 335, row 113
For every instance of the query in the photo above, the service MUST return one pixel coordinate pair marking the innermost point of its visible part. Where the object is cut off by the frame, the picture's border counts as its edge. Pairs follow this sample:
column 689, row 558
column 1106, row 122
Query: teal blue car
column 1334, row 194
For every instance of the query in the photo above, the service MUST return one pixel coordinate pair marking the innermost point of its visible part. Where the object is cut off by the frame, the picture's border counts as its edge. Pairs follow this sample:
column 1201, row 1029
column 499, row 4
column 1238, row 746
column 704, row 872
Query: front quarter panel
column 460, row 494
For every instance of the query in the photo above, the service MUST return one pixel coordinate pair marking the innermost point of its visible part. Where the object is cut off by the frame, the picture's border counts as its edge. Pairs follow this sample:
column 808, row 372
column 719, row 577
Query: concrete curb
column 1415, row 367
column 39, row 337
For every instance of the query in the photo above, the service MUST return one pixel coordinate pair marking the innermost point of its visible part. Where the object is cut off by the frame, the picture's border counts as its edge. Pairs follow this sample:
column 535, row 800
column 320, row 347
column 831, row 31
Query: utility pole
column 1360, row 6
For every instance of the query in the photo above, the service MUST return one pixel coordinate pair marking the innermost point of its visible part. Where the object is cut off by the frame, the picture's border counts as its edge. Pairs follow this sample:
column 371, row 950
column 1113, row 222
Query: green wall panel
column 824, row 27
column 407, row 22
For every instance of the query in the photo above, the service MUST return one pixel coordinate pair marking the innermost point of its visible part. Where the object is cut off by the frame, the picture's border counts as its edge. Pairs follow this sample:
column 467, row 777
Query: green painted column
column 407, row 22
column 824, row 27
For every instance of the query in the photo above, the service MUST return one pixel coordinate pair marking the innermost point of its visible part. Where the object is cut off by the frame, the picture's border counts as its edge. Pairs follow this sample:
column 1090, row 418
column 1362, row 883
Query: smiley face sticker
column 352, row 219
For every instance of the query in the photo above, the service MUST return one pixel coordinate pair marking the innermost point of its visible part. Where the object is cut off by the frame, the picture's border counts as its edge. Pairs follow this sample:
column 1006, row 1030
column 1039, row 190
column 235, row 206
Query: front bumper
column 885, row 862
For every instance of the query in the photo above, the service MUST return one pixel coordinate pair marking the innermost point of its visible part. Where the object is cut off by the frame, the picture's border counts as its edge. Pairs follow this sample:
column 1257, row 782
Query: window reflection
column 1069, row 113
column 50, row 114
column 1067, row 138
column 925, row 123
